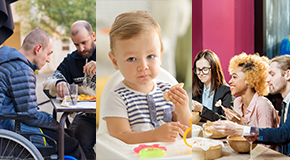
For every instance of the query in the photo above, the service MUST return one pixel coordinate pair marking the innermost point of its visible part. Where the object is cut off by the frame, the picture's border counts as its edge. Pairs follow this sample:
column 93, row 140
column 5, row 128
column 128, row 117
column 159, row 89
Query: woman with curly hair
column 209, row 86
column 249, row 74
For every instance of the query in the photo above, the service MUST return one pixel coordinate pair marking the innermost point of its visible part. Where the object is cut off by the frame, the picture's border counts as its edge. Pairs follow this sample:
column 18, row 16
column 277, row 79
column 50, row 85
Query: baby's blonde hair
column 255, row 68
column 127, row 25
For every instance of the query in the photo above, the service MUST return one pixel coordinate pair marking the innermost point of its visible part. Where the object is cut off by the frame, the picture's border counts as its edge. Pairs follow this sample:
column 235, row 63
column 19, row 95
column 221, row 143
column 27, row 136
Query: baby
column 135, row 110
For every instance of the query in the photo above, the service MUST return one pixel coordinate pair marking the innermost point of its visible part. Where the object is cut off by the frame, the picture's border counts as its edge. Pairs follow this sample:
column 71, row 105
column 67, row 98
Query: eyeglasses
column 204, row 70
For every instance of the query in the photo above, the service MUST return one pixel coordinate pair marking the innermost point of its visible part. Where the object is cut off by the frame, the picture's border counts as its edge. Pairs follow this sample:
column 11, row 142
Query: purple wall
column 197, row 39
column 226, row 27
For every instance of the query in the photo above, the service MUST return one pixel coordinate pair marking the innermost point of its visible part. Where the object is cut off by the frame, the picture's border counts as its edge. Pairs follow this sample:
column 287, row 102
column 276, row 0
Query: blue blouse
column 207, row 97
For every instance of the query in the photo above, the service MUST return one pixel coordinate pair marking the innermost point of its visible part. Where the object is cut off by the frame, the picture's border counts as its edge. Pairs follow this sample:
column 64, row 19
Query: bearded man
column 79, row 68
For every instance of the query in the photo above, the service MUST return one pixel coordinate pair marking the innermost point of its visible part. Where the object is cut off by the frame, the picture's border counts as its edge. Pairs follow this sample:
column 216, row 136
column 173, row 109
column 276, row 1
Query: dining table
column 81, row 106
column 260, row 152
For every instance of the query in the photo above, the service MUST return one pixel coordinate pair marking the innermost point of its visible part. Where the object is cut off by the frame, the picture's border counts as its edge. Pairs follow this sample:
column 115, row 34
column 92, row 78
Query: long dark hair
column 217, row 76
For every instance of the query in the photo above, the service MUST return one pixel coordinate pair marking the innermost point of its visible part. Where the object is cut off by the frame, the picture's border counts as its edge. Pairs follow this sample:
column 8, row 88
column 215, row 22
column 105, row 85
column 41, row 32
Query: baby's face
column 139, row 59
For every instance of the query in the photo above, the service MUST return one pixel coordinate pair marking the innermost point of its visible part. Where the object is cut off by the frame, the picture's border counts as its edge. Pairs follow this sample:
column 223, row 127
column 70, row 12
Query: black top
column 223, row 93
column 72, row 67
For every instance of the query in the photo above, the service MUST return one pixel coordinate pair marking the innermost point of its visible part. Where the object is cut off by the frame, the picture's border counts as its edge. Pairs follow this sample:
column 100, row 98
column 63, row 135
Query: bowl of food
column 239, row 144
column 196, row 131
column 203, row 148
column 211, row 132
column 195, row 117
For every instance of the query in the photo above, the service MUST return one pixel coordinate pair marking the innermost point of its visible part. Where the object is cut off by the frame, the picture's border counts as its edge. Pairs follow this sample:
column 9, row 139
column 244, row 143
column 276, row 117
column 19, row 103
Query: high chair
column 108, row 147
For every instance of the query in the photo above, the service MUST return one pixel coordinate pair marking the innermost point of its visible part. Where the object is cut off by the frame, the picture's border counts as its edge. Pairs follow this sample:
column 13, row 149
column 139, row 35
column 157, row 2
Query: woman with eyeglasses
column 209, row 86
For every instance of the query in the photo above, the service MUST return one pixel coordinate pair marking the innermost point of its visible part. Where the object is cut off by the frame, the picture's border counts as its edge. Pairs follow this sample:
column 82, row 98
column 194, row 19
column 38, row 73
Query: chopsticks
column 218, row 103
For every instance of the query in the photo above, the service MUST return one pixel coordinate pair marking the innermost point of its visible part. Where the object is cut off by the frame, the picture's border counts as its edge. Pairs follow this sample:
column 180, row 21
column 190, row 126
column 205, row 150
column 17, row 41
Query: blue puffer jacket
column 17, row 90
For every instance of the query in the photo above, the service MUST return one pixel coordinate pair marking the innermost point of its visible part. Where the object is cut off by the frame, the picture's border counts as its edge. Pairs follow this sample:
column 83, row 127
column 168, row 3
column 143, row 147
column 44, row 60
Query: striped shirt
column 125, row 102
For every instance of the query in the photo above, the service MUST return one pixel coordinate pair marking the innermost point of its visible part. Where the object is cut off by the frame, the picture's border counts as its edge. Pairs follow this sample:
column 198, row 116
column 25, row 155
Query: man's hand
column 228, row 127
column 90, row 68
column 60, row 88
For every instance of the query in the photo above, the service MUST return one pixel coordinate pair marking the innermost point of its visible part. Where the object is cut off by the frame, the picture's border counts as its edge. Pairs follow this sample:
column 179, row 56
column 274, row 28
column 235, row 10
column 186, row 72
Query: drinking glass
column 70, row 92
column 252, row 135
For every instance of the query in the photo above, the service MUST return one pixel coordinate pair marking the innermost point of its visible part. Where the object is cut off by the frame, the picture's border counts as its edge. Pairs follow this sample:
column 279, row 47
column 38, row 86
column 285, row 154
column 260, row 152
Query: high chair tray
column 108, row 147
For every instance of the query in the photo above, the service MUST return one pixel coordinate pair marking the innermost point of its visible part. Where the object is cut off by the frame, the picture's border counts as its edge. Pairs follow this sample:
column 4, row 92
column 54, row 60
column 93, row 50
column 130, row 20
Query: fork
column 85, row 81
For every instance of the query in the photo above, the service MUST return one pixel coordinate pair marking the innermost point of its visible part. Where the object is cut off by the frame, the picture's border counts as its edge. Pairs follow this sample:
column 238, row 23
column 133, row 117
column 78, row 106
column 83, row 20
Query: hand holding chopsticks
column 228, row 112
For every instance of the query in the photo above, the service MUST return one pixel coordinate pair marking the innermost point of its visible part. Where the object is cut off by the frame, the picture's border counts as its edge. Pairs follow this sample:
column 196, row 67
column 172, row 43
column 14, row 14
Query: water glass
column 70, row 92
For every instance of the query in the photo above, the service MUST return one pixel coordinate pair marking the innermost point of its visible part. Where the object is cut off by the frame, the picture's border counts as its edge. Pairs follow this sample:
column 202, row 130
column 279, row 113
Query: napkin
column 64, row 104
column 205, row 143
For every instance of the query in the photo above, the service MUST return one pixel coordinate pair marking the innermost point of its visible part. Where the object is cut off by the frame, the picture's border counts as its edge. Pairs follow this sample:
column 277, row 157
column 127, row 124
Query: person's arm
column 51, row 86
column 224, row 94
column 233, row 116
column 90, row 68
column 24, row 99
column 263, row 114
column 179, row 98
column 227, row 127
column 280, row 135
column 120, row 128
column 209, row 114
column 204, row 112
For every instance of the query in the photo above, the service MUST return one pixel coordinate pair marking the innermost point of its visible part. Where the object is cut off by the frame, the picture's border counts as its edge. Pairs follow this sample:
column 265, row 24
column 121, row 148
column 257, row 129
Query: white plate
column 88, row 100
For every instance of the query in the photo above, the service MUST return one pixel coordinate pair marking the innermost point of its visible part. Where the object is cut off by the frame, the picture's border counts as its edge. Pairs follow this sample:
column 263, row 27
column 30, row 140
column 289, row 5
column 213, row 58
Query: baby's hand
column 168, row 132
column 179, row 98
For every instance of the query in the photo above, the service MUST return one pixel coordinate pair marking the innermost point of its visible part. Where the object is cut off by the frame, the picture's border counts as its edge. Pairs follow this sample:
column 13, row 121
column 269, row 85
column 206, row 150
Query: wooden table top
column 259, row 153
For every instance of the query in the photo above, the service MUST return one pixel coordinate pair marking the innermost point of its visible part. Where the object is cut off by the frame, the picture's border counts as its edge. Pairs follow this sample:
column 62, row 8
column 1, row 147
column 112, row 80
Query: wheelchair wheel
column 15, row 146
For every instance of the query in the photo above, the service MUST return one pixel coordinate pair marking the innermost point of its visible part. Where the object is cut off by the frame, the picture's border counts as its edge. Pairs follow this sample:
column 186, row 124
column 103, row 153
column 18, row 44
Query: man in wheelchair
column 17, row 90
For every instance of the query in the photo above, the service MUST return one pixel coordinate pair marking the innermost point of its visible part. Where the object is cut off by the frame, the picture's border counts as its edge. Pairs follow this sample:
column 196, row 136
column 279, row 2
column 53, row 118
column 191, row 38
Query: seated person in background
column 249, row 73
column 279, row 82
column 17, row 88
column 135, row 110
column 72, row 70
column 209, row 86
